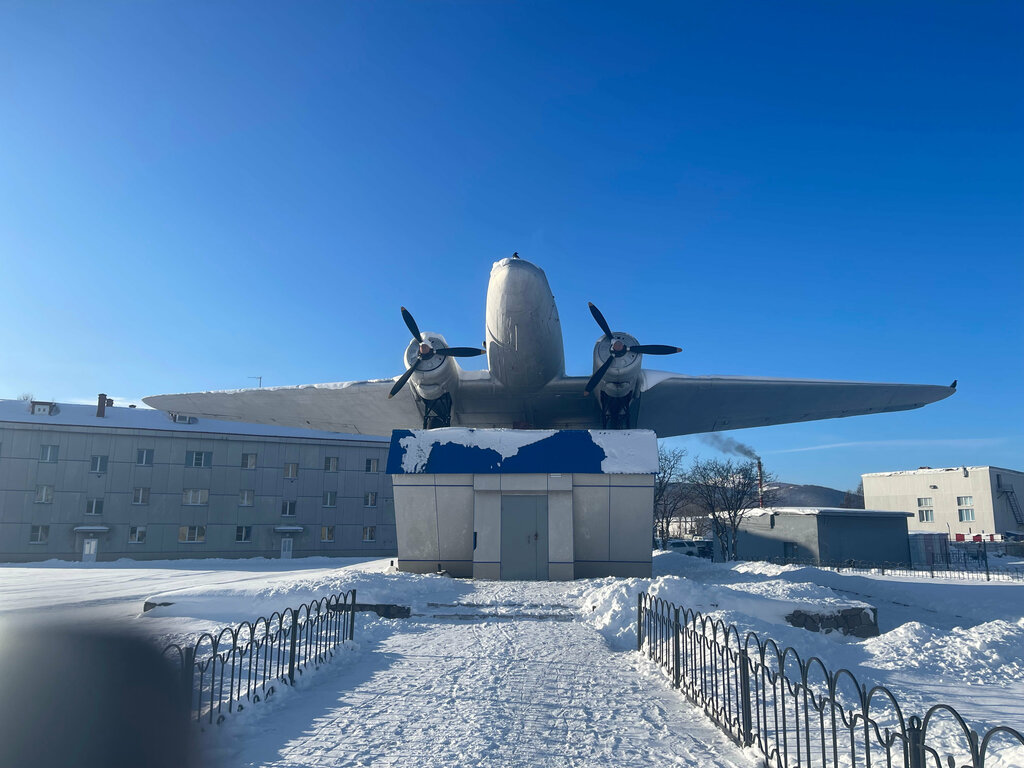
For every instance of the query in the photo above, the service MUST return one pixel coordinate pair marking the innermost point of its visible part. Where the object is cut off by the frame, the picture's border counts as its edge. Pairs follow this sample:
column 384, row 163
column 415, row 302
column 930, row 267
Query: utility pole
column 259, row 381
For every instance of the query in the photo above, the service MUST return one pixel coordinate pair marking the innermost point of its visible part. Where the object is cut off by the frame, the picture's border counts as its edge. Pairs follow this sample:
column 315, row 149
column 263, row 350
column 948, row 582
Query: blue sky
column 198, row 193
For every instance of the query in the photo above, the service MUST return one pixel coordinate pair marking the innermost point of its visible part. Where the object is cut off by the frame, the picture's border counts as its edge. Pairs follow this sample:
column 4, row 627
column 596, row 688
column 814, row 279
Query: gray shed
column 824, row 535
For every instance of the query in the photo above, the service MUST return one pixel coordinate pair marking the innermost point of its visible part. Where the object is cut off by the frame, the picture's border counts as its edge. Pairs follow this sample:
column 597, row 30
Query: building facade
column 964, row 501
column 823, row 535
column 101, row 483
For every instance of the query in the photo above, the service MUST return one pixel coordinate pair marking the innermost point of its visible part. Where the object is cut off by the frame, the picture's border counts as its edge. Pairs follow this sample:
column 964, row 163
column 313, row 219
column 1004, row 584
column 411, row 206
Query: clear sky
column 196, row 193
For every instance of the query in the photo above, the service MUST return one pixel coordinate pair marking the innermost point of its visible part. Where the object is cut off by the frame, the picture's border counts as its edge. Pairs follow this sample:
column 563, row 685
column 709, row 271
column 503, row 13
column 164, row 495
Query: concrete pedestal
column 506, row 520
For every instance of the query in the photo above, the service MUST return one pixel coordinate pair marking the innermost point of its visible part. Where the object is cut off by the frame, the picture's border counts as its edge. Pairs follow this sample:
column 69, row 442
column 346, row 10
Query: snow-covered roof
column 827, row 512
column 459, row 450
column 931, row 471
column 71, row 415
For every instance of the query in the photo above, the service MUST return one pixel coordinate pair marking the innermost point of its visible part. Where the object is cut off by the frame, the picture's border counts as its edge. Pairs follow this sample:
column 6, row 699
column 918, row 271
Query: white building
column 954, row 500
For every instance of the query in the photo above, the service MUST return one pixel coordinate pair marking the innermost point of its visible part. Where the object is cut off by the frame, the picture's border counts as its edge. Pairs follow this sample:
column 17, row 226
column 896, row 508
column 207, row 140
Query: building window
column 248, row 461
column 140, row 495
column 370, row 499
column 288, row 509
column 48, row 453
column 137, row 534
column 925, row 501
column 327, row 533
column 243, row 533
column 198, row 458
column 98, row 464
column 369, row 533
column 965, row 501
column 192, row 533
column 330, row 498
column 182, row 419
column 144, row 457
column 245, row 497
column 291, row 470
column 195, row 496
column 926, row 515
column 44, row 494
column 966, row 515
column 331, row 464
column 94, row 506
column 371, row 465
column 38, row 534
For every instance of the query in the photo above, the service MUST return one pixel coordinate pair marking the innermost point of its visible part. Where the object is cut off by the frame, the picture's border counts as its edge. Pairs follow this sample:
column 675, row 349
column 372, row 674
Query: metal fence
column 224, row 671
column 796, row 711
column 978, row 569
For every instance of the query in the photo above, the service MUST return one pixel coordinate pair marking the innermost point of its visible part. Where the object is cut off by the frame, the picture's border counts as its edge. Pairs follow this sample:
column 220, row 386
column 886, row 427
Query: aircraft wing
column 355, row 407
column 673, row 404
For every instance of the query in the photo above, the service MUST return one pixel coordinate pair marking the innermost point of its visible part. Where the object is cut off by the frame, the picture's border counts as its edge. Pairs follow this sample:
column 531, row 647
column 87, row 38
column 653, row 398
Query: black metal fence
column 797, row 712
column 976, row 569
column 223, row 672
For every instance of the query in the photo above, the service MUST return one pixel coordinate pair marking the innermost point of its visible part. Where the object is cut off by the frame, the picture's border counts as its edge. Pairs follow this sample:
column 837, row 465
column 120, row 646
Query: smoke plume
column 728, row 445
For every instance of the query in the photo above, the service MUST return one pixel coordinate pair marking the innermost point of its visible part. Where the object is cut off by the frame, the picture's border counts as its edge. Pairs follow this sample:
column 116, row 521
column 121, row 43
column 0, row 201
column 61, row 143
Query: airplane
column 525, row 385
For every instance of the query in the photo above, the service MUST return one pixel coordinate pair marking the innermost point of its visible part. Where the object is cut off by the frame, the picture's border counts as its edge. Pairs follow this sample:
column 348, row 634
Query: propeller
column 427, row 351
column 618, row 349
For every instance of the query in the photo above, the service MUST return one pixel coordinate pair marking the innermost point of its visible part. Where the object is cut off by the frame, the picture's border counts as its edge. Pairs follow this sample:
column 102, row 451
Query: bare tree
column 854, row 499
column 667, row 496
column 726, row 490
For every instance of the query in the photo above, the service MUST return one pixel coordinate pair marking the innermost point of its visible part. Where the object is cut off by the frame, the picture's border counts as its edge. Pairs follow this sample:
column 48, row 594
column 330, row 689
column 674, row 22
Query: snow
column 521, row 674
column 71, row 415
column 504, row 442
column 827, row 511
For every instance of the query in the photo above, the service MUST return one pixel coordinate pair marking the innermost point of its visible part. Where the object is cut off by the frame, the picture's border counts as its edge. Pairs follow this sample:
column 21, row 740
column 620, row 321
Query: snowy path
column 494, row 692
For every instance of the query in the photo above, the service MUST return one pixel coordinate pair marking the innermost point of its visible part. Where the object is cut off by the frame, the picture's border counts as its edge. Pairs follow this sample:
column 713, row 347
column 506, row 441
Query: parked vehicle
column 691, row 547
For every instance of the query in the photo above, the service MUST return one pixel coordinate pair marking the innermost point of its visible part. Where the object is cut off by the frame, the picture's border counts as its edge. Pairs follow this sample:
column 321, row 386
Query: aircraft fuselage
column 524, row 335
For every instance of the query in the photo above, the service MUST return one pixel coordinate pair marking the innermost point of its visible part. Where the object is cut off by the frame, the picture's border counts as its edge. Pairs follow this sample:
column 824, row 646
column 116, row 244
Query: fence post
column 352, row 618
column 915, row 744
column 640, row 622
column 293, row 636
column 676, row 673
column 984, row 554
column 746, row 719
column 188, row 657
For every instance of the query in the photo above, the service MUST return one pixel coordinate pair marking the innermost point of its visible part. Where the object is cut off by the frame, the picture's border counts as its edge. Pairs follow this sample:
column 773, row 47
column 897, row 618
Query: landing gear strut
column 615, row 411
column 437, row 413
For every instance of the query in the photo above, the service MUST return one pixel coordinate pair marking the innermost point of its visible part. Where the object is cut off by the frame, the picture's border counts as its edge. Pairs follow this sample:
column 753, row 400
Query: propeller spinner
column 619, row 349
column 427, row 351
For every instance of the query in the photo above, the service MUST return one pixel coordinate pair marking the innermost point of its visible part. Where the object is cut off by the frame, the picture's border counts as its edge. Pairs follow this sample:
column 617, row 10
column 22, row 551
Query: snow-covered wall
column 514, row 451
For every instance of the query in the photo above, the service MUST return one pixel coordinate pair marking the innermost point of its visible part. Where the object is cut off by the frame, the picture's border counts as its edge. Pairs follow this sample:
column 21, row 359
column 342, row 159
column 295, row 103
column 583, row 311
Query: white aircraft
column 525, row 385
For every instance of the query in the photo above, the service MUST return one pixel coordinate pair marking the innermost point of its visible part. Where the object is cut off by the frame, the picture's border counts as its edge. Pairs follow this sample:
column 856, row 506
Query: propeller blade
column 598, row 374
column 411, row 325
column 459, row 351
column 600, row 320
column 655, row 349
column 405, row 377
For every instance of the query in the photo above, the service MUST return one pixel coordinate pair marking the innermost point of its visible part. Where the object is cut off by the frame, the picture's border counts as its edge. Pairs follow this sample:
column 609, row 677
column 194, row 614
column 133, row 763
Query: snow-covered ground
column 519, row 673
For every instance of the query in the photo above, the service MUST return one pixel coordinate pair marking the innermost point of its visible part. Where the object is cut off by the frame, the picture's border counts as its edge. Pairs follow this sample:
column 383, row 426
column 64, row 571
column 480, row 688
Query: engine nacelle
column 623, row 376
column 437, row 374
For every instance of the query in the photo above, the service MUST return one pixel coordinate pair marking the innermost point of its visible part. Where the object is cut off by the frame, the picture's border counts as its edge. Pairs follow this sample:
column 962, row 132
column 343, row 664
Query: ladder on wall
column 1011, row 498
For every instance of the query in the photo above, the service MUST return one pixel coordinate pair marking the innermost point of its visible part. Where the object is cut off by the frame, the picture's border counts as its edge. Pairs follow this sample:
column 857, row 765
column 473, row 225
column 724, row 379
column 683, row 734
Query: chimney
column 760, row 484
column 101, row 406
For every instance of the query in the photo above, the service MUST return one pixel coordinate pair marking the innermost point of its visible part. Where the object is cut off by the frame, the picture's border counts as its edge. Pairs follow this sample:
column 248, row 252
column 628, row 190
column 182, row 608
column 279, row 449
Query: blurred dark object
column 71, row 697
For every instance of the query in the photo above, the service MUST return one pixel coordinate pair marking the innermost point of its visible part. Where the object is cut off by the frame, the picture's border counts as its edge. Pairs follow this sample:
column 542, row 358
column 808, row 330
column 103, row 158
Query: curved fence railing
column 796, row 711
column 224, row 671
column 977, row 570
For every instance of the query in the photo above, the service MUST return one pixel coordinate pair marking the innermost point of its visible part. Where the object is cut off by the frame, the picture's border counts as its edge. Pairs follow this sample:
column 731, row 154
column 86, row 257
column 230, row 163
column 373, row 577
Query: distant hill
column 790, row 495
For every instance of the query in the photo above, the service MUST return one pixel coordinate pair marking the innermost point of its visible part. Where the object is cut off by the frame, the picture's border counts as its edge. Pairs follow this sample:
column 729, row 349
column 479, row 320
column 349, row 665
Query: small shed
column 824, row 535
column 524, row 504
